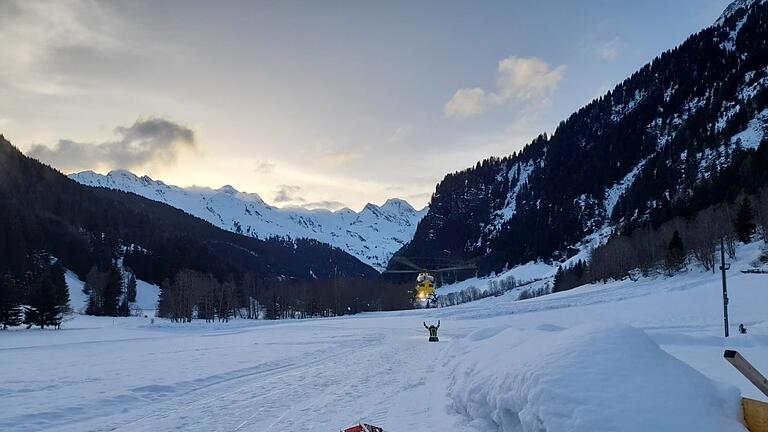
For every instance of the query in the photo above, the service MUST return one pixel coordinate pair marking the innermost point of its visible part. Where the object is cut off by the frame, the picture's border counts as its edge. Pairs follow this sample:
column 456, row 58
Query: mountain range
column 372, row 235
column 686, row 131
column 85, row 227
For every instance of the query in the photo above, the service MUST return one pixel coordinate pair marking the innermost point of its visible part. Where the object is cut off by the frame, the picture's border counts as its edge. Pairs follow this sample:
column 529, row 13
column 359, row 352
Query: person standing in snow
column 432, row 331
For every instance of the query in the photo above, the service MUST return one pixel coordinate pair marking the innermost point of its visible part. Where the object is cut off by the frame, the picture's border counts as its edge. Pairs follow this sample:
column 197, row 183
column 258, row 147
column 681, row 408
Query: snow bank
column 588, row 378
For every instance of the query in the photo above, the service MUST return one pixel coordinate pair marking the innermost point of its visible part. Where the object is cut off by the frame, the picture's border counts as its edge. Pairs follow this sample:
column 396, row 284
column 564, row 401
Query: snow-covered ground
column 622, row 356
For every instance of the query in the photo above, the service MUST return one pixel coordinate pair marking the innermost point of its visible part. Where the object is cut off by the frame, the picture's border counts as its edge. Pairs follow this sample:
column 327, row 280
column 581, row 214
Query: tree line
column 82, row 227
column 195, row 295
column 40, row 298
column 671, row 245
column 110, row 238
column 496, row 287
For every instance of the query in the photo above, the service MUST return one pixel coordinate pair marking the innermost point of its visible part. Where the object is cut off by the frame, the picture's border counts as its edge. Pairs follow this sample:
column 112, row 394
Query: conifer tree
column 559, row 279
column 113, row 291
column 48, row 298
column 675, row 251
column 124, row 308
column 10, row 310
column 131, row 288
column 93, row 307
column 744, row 221
column 274, row 311
column 61, row 290
column 94, row 287
column 41, row 309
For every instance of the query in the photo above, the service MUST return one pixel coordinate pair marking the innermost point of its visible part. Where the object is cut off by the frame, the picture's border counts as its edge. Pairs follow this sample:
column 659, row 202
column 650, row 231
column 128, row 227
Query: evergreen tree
column 124, row 309
column 274, row 312
column 165, row 300
column 559, row 279
column 113, row 291
column 93, row 307
column 10, row 310
column 61, row 290
column 48, row 299
column 95, row 282
column 675, row 251
column 42, row 309
column 131, row 288
column 744, row 221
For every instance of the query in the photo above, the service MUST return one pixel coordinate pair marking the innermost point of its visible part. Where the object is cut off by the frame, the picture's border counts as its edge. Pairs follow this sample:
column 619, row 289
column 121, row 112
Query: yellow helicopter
column 424, row 291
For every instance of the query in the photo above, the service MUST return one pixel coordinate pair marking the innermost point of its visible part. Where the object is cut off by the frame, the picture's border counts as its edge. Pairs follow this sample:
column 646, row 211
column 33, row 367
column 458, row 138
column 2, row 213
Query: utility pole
column 723, row 268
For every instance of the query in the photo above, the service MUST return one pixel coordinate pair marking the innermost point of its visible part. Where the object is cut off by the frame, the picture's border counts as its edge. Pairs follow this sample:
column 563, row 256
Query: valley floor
column 578, row 360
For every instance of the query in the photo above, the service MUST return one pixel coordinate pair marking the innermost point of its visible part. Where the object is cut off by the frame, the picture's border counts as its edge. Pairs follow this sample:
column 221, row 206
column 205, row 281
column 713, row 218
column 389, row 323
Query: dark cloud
column 145, row 142
column 288, row 193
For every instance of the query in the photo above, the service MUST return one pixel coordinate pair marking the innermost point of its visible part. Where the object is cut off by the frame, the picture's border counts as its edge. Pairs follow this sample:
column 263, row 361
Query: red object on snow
column 362, row 427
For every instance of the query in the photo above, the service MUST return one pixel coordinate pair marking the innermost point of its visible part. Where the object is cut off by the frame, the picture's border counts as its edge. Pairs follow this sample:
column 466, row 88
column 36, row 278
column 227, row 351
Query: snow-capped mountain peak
column 227, row 189
column 734, row 8
column 397, row 204
column 373, row 235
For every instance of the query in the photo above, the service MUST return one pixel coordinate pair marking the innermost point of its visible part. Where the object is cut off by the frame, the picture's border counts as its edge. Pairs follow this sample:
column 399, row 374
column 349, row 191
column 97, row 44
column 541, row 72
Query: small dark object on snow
column 362, row 427
column 742, row 329
column 433, row 331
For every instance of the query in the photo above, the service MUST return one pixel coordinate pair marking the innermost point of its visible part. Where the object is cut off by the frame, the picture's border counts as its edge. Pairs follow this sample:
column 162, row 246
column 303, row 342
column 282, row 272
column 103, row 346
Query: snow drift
column 588, row 378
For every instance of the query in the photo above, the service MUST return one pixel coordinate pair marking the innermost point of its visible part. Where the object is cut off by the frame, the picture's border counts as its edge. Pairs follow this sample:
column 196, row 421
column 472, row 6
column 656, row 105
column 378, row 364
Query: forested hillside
column 49, row 222
column 44, row 209
column 685, row 132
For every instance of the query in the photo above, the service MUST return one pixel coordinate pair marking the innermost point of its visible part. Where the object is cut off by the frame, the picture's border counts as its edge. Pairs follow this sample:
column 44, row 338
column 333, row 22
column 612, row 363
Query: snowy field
column 624, row 356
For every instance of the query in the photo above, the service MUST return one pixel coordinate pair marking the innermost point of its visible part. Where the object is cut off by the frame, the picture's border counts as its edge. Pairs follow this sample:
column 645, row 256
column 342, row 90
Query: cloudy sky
column 313, row 103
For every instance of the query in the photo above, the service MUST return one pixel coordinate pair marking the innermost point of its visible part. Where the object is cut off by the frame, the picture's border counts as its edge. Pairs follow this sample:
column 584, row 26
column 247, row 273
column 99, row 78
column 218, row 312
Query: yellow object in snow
column 425, row 287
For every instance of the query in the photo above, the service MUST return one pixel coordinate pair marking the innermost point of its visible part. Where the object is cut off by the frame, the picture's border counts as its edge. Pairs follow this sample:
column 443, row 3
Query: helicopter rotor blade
column 464, row 267
column 402, row 271
column 405, row 261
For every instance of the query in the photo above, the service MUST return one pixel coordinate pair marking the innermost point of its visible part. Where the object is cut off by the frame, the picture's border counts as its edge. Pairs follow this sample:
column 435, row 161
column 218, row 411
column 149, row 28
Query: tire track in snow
column 234, row 399
column 77, row 417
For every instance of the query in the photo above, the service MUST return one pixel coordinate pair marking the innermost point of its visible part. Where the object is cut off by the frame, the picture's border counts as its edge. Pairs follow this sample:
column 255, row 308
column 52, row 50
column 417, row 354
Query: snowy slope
column 78, row 301
column 372, row 235
column 621, row 356
column 147, row 295
column 653, row 141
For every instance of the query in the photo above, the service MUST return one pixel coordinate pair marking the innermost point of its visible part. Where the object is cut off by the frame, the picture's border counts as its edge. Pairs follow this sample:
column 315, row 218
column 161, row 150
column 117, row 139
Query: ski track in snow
column 99, row 374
